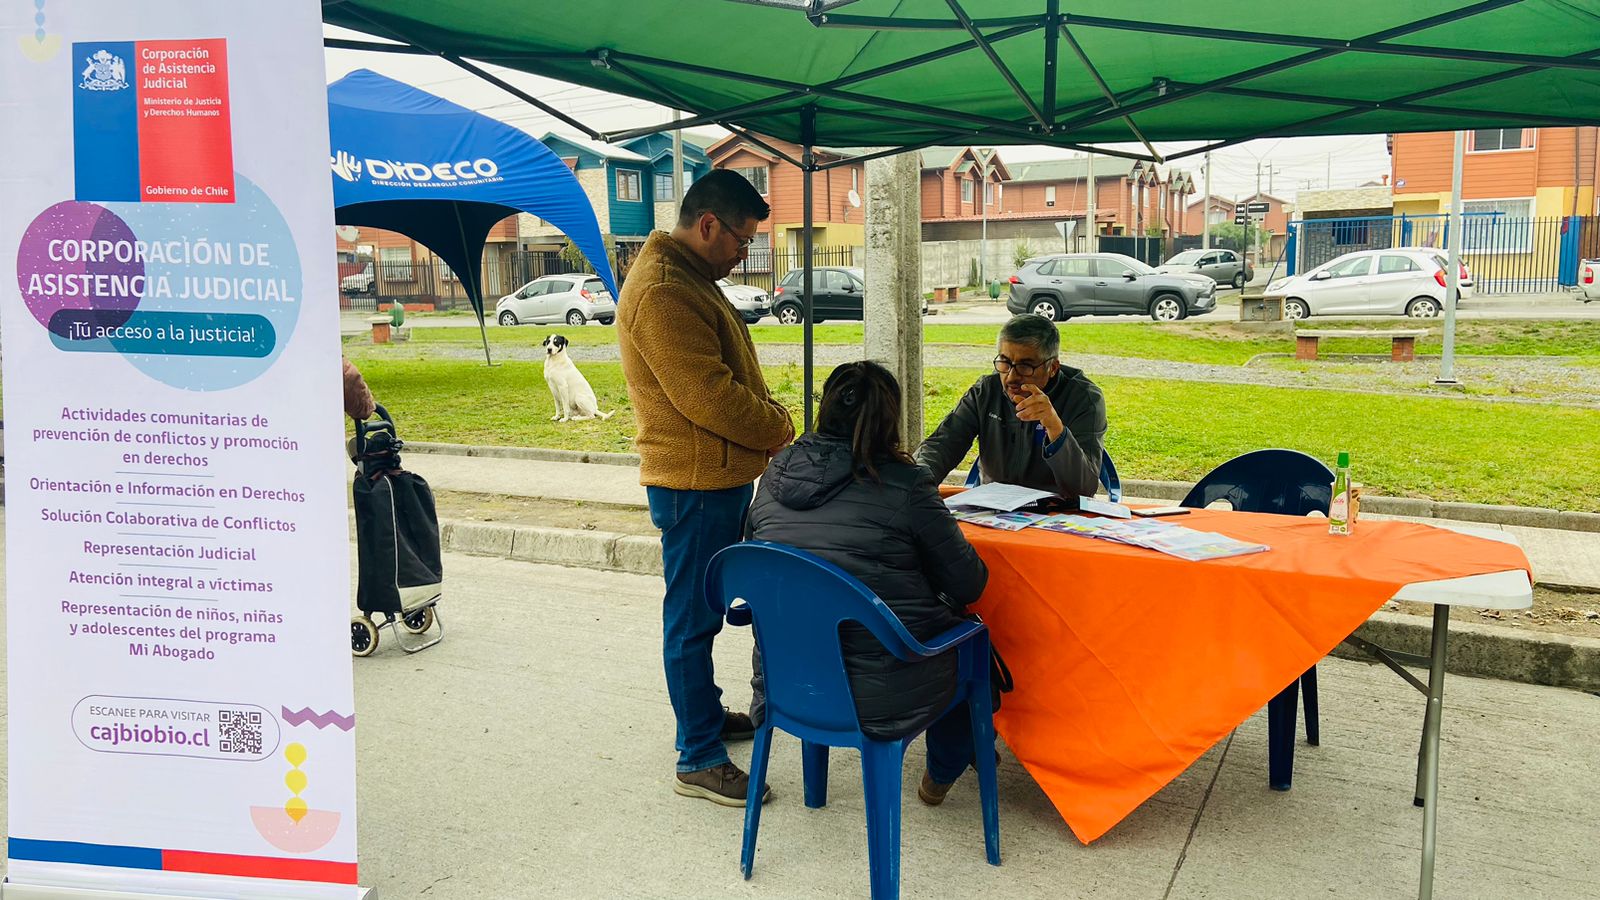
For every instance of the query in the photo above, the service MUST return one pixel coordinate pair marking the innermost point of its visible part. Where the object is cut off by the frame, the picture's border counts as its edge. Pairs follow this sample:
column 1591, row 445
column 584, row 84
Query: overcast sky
column 1287, row 165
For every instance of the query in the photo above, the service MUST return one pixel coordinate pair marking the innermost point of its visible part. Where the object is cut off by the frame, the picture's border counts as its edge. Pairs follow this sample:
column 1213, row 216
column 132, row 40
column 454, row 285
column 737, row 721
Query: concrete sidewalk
column 1559, row 556
column 529, row 755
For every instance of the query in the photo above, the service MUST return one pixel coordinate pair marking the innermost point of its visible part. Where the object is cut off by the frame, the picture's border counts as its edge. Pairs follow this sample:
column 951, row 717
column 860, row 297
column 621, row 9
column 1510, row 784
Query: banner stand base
column 9, row 891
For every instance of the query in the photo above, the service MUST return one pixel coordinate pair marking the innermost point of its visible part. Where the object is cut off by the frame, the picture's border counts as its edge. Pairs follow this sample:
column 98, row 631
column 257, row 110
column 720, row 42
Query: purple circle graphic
column 79, row 256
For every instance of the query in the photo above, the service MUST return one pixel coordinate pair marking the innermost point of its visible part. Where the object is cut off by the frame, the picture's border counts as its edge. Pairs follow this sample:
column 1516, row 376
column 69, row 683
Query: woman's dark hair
column 861, row 401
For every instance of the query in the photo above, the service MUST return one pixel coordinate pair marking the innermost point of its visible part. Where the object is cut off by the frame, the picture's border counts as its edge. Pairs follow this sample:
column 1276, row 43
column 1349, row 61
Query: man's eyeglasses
column 1025, row 369
column 743, row 242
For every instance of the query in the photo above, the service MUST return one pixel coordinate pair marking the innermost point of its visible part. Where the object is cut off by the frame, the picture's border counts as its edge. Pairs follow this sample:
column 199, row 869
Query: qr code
column 241, row 731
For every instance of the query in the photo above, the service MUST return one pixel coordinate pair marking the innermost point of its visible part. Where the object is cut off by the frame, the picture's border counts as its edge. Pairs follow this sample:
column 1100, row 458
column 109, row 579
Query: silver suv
column 1221, row 266
column 1107, row 284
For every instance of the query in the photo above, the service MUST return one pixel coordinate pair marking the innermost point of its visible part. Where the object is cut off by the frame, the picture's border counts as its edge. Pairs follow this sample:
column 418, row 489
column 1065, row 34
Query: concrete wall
column 947, row 263
column 595, row 184
column 666, row 215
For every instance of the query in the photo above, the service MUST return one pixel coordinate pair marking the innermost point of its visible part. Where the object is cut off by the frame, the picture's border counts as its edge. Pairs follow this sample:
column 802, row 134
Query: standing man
column 1038, row 423
column 707, row 426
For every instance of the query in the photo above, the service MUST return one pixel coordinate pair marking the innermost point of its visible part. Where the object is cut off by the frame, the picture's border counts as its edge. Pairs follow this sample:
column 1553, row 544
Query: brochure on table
column 1000, row 509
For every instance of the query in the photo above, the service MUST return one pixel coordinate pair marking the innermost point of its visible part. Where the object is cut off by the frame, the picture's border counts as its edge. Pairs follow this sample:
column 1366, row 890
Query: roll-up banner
column 181, row 716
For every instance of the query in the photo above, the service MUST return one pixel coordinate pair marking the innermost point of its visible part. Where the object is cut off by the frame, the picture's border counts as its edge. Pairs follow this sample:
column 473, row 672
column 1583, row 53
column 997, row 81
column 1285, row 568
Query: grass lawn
column 1218, row 343
column 1401, row 446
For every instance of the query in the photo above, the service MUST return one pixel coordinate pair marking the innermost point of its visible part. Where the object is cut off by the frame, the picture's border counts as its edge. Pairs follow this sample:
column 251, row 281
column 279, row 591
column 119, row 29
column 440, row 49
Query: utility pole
column 1452, row 282
column 1138, row 211
column 1250, row 219
column 983, row 206
column 1329, row 181
column 677, row 160
column 1205, row 209
column 1093, row 216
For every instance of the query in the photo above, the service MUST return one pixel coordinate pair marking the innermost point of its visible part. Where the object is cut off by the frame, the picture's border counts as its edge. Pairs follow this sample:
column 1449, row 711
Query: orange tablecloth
column 1130, row 663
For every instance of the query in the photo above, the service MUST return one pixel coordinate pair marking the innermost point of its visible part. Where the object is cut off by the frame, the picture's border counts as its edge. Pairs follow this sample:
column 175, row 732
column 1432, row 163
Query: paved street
column 528, row 755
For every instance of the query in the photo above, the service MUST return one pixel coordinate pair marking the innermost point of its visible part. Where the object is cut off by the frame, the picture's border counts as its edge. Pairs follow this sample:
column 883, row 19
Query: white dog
column 573, row 396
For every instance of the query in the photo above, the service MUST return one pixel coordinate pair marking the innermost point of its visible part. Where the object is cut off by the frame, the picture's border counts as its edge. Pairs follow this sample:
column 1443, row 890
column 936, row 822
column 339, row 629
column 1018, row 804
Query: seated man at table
column 1038, row 423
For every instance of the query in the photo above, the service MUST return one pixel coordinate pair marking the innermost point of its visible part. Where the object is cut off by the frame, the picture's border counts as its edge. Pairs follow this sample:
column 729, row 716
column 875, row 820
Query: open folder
column 998, row 496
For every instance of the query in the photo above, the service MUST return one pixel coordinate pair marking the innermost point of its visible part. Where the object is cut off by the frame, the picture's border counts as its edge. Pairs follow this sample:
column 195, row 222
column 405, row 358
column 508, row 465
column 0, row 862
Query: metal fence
column 1152, row 250
column 1506, row 254
column 765, row 268
column 431, row 281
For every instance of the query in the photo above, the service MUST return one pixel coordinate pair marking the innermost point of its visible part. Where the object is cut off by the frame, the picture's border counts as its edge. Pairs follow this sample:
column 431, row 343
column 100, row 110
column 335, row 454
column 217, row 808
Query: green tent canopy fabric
column 911, row 73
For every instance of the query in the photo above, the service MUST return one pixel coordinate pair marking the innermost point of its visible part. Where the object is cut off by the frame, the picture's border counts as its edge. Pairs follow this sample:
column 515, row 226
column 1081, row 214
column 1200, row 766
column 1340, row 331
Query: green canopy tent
column 906, row 74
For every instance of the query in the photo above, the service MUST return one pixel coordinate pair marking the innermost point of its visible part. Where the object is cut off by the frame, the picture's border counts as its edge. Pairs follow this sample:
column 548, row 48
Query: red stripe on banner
column 185, row 121
column 258, row 866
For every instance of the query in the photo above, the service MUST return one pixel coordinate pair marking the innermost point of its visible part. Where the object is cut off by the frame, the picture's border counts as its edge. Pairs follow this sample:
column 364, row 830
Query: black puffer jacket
column 897, row 537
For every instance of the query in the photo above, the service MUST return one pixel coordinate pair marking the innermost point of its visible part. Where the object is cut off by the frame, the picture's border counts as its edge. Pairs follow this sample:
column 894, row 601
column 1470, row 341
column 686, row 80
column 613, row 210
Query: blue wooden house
column 629, row 184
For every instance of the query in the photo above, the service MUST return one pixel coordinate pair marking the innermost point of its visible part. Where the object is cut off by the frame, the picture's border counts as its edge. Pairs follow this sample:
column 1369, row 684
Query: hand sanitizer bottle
column 1339, row 509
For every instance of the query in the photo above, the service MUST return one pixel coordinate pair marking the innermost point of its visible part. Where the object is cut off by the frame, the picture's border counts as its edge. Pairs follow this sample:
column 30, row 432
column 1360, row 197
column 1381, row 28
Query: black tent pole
column 808, row 132
column 474, row 281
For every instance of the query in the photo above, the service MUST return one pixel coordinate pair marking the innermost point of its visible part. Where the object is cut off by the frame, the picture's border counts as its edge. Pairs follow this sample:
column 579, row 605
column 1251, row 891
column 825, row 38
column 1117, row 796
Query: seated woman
column 850, row 494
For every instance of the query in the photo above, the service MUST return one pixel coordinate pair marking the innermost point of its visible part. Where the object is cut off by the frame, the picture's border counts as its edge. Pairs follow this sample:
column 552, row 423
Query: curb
column 1488, row 651
column 1529, row 516
column 534, row 453
column 1484, row 651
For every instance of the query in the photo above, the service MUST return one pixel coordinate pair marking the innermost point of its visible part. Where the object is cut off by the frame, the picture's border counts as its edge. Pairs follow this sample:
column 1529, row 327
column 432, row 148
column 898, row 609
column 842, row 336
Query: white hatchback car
column 1396, row 281
column 751, row 302
column 573, row 299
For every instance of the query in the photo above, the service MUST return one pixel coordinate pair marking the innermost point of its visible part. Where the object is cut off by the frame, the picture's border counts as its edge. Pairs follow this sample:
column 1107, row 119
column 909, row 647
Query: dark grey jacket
column 1009, row 451
column 898, row 538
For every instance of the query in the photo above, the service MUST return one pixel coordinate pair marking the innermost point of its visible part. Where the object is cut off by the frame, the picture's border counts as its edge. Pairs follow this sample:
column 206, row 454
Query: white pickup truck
column 358, row 283
column 1589, row 280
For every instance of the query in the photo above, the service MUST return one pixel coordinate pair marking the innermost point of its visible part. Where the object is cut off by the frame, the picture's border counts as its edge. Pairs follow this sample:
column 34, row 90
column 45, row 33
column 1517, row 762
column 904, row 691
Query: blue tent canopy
column 408, row 161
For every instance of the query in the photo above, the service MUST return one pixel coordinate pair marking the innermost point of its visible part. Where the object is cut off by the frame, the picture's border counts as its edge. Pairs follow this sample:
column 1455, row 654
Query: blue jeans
column 694, row 526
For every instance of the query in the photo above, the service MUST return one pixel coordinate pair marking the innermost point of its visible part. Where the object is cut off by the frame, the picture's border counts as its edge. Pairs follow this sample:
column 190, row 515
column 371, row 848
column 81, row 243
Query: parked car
column 1064, row 285
column 358, row 282
column 1395, row 281
column 836, row 293
column 751, row 302
column 573, row 299
column 1221, row 266
column 1589, row 280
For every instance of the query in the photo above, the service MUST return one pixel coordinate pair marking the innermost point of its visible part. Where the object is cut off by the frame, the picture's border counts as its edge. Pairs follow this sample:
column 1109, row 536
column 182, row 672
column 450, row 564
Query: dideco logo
column 345, row 166
column 349, row 168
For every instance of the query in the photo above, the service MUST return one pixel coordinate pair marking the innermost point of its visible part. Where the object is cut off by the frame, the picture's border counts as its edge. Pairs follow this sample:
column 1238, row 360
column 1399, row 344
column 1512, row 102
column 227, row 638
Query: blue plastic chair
column 1290, row 483
column 797, row 602
column 1108, row 477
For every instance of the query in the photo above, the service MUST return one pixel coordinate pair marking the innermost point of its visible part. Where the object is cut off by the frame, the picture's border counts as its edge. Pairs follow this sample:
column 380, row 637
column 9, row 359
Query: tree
column 573, row 257
column 1238, row 237
column 1020, row 254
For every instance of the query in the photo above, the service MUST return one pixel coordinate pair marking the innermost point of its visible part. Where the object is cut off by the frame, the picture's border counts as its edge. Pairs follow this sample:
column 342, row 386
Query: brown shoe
column 932, row 792
column 737, row 726
column 725, row 785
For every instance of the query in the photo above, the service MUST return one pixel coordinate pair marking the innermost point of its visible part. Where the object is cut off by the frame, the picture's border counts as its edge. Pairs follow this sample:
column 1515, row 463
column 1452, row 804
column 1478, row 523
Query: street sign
column 1259, row 207
column 1240, row 209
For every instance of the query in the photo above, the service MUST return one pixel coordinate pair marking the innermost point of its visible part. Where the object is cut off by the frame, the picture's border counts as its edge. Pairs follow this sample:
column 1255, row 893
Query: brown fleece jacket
column 706, row 418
